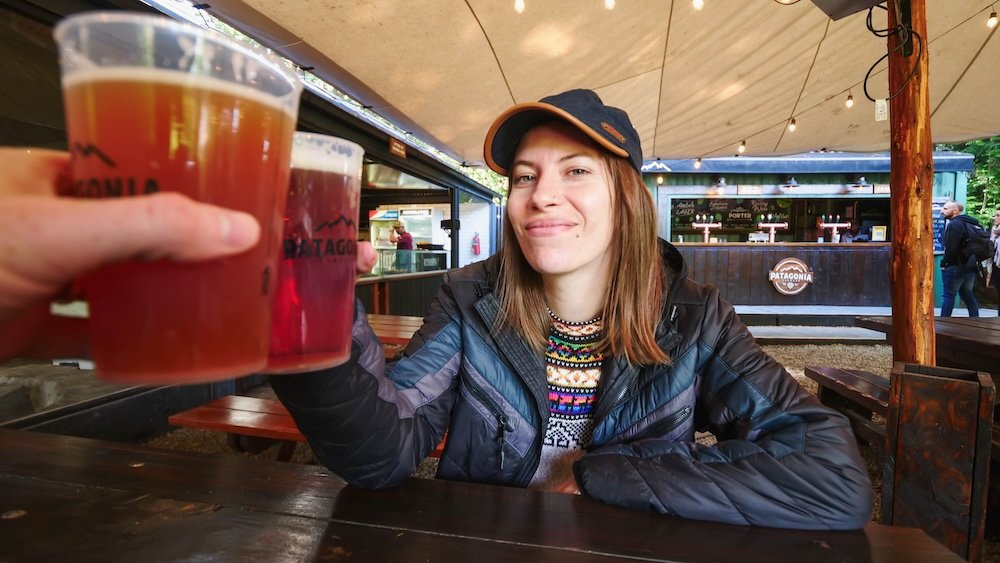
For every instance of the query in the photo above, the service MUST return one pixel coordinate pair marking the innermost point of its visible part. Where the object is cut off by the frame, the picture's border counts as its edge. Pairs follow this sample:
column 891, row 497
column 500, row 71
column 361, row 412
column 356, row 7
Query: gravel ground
column 874, row 358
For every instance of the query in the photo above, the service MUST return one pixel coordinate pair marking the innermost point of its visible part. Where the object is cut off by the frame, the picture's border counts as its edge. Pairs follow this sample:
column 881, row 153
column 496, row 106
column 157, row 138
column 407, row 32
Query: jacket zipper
column 669, row 341
column 503, row 421
column 665, row 425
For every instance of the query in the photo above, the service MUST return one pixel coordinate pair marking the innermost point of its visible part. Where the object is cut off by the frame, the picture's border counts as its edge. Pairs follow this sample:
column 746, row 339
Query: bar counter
column 848, row 274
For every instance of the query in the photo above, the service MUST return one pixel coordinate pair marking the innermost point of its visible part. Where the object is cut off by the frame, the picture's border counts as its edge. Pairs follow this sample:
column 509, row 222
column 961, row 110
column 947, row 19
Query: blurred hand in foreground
column 47, row 241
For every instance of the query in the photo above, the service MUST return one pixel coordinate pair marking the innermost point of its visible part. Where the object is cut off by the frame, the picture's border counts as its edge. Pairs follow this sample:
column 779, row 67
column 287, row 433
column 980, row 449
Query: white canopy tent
column 695, row 82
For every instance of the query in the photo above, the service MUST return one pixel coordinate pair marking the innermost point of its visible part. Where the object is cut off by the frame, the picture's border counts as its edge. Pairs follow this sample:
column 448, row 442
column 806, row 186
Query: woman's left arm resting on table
column 790, row 462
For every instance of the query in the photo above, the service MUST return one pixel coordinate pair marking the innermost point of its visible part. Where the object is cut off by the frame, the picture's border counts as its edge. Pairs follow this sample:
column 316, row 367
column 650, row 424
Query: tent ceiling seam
column 805, row 82
column 493, row 51
column 663, row 69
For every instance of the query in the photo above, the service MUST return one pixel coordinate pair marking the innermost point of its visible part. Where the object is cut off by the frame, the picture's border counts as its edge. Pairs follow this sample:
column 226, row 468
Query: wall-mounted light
column 791, row 125
column 791, row 184
column 861, row 183
column 721, row 183
column 743, row 147
column 697, row 163
column 659, row 178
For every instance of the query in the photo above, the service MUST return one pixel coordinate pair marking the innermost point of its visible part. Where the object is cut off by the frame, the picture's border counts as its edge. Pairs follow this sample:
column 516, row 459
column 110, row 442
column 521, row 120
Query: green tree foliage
column 983, row 196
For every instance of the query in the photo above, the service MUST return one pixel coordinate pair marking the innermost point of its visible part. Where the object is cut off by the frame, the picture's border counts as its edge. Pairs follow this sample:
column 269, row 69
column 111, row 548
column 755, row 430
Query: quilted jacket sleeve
column 783, row 460
column 372, row 424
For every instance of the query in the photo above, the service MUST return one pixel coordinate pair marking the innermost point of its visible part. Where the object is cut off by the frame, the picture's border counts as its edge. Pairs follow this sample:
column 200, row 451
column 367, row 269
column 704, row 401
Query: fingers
column 164, row 226
column 50, row 241
column 366, row 257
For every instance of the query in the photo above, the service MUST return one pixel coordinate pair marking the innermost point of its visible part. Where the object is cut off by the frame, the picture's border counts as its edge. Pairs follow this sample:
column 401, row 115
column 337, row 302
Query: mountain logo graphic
column 87, row 151
column 331, row 224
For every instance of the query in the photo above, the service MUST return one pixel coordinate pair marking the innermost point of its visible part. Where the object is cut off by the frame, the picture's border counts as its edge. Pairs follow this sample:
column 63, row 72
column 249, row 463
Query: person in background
column 404, row 246
column 993, row 266
column 582, row 359
column 958, row 272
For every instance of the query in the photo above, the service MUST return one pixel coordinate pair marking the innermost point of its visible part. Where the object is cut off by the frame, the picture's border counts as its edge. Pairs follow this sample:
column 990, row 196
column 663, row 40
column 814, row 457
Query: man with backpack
column 959, row 266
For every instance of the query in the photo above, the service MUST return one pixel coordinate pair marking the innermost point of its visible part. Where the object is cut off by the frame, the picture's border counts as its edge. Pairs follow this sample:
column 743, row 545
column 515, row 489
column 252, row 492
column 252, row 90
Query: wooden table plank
column 259, row 424
column 251, row 404
column 395, row 329
column 534, row 522
column 113, row 525
column 980, row 337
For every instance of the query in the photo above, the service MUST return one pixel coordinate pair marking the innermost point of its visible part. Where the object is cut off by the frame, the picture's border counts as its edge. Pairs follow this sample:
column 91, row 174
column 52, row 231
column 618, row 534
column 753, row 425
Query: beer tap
column 834, row 224
column 771, row 225
column 706, row 223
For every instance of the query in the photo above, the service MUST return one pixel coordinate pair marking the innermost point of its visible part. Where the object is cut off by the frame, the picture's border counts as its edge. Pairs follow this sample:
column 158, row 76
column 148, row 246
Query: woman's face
column 996, row 217
column 560, row 202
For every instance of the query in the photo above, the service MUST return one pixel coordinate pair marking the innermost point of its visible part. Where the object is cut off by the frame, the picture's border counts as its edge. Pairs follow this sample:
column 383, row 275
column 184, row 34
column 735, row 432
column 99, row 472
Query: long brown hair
column 635, row 293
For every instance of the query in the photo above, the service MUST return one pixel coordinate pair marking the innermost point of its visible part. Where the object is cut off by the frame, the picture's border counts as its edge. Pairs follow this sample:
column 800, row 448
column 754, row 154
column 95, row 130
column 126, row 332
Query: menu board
column 937, row 224
column 736, row 213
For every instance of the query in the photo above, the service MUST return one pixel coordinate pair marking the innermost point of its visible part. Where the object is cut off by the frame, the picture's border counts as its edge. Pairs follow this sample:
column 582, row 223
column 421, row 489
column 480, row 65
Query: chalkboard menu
column 937, row 225
column 734, row 213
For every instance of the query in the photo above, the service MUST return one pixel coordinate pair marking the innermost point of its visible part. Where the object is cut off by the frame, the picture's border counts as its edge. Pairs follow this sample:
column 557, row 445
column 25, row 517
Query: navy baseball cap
column 608, row 126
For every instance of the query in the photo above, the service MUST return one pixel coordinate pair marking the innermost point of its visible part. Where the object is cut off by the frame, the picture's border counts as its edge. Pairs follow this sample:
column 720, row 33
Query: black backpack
column 977, row 243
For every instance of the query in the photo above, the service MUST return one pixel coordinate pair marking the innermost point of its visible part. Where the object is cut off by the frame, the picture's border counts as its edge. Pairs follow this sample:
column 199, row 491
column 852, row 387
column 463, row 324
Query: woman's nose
column 546, row 192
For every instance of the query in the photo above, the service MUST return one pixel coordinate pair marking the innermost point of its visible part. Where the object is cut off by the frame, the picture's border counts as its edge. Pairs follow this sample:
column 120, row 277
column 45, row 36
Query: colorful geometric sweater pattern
column 573, row 371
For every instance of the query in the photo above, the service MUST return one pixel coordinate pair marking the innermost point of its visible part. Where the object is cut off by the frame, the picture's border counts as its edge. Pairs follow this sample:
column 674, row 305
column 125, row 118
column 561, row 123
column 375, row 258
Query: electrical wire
column 904, row 36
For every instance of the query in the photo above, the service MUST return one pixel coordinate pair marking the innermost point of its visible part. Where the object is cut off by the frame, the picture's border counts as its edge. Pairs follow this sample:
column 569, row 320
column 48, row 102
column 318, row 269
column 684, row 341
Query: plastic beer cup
column 155, row 105
column 314, row 299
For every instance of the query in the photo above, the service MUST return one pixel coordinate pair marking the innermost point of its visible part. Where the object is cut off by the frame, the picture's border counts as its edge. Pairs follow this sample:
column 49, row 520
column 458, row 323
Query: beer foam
column 175, row 78
column 325, row 154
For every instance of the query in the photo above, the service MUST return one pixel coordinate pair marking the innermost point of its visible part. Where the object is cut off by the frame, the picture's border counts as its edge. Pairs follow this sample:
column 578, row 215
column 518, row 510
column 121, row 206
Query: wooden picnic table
column 67, row 498
column 394, row 329
column 254, row 423
column 962, row 342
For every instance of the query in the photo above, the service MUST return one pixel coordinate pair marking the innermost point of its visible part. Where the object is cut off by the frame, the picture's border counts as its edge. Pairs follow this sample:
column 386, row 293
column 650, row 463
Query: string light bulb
column 659, row 179
column 698, row 4
column 519, row 6
column 791, row 125
column 697, row 163
column 850, row 101
column 609, row 4
column 991, row 22
column 743, row 147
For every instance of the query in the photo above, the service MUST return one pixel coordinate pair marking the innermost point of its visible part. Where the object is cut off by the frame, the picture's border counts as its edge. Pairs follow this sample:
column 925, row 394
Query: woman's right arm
column 372, row 424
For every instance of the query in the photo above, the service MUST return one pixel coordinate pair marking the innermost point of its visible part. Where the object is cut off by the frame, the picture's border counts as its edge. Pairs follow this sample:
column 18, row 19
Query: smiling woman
column 560, row 209
column 582, row 359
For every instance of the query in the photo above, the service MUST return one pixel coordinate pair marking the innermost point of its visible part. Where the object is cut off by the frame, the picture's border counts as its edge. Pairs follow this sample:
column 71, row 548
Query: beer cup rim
column 300, row 136
column 268, row 57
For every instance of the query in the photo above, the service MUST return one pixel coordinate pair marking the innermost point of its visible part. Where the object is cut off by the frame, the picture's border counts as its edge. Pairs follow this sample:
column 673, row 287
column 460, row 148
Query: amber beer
column 314, row 301
column 141, row 132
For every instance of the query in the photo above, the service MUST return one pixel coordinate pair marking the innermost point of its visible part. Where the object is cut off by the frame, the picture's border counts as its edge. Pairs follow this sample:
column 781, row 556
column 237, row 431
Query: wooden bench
column 857, row 394
column 860, row 394
column 252, row 424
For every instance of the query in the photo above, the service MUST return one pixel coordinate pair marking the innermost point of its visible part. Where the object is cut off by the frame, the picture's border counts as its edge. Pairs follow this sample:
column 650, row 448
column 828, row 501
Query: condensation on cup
column 314, row 298
column 154, row 105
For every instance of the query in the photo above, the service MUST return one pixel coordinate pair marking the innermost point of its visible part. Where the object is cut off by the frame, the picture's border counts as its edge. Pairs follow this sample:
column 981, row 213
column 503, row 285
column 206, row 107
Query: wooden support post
column 912, row 180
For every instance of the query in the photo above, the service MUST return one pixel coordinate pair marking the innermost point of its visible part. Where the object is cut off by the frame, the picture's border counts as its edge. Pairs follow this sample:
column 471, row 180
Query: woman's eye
column 523, row 178
column 578, row 172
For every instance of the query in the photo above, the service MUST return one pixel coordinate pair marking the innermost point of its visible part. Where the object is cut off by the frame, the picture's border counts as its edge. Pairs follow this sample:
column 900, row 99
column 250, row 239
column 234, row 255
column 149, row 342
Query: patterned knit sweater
column 573, row 369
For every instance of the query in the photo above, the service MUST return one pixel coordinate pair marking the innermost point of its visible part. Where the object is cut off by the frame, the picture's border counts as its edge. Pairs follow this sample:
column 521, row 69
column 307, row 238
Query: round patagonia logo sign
column 790, row 276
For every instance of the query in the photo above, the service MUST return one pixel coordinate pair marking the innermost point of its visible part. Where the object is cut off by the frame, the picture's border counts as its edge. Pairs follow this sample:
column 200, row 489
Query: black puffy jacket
column 782, row 460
